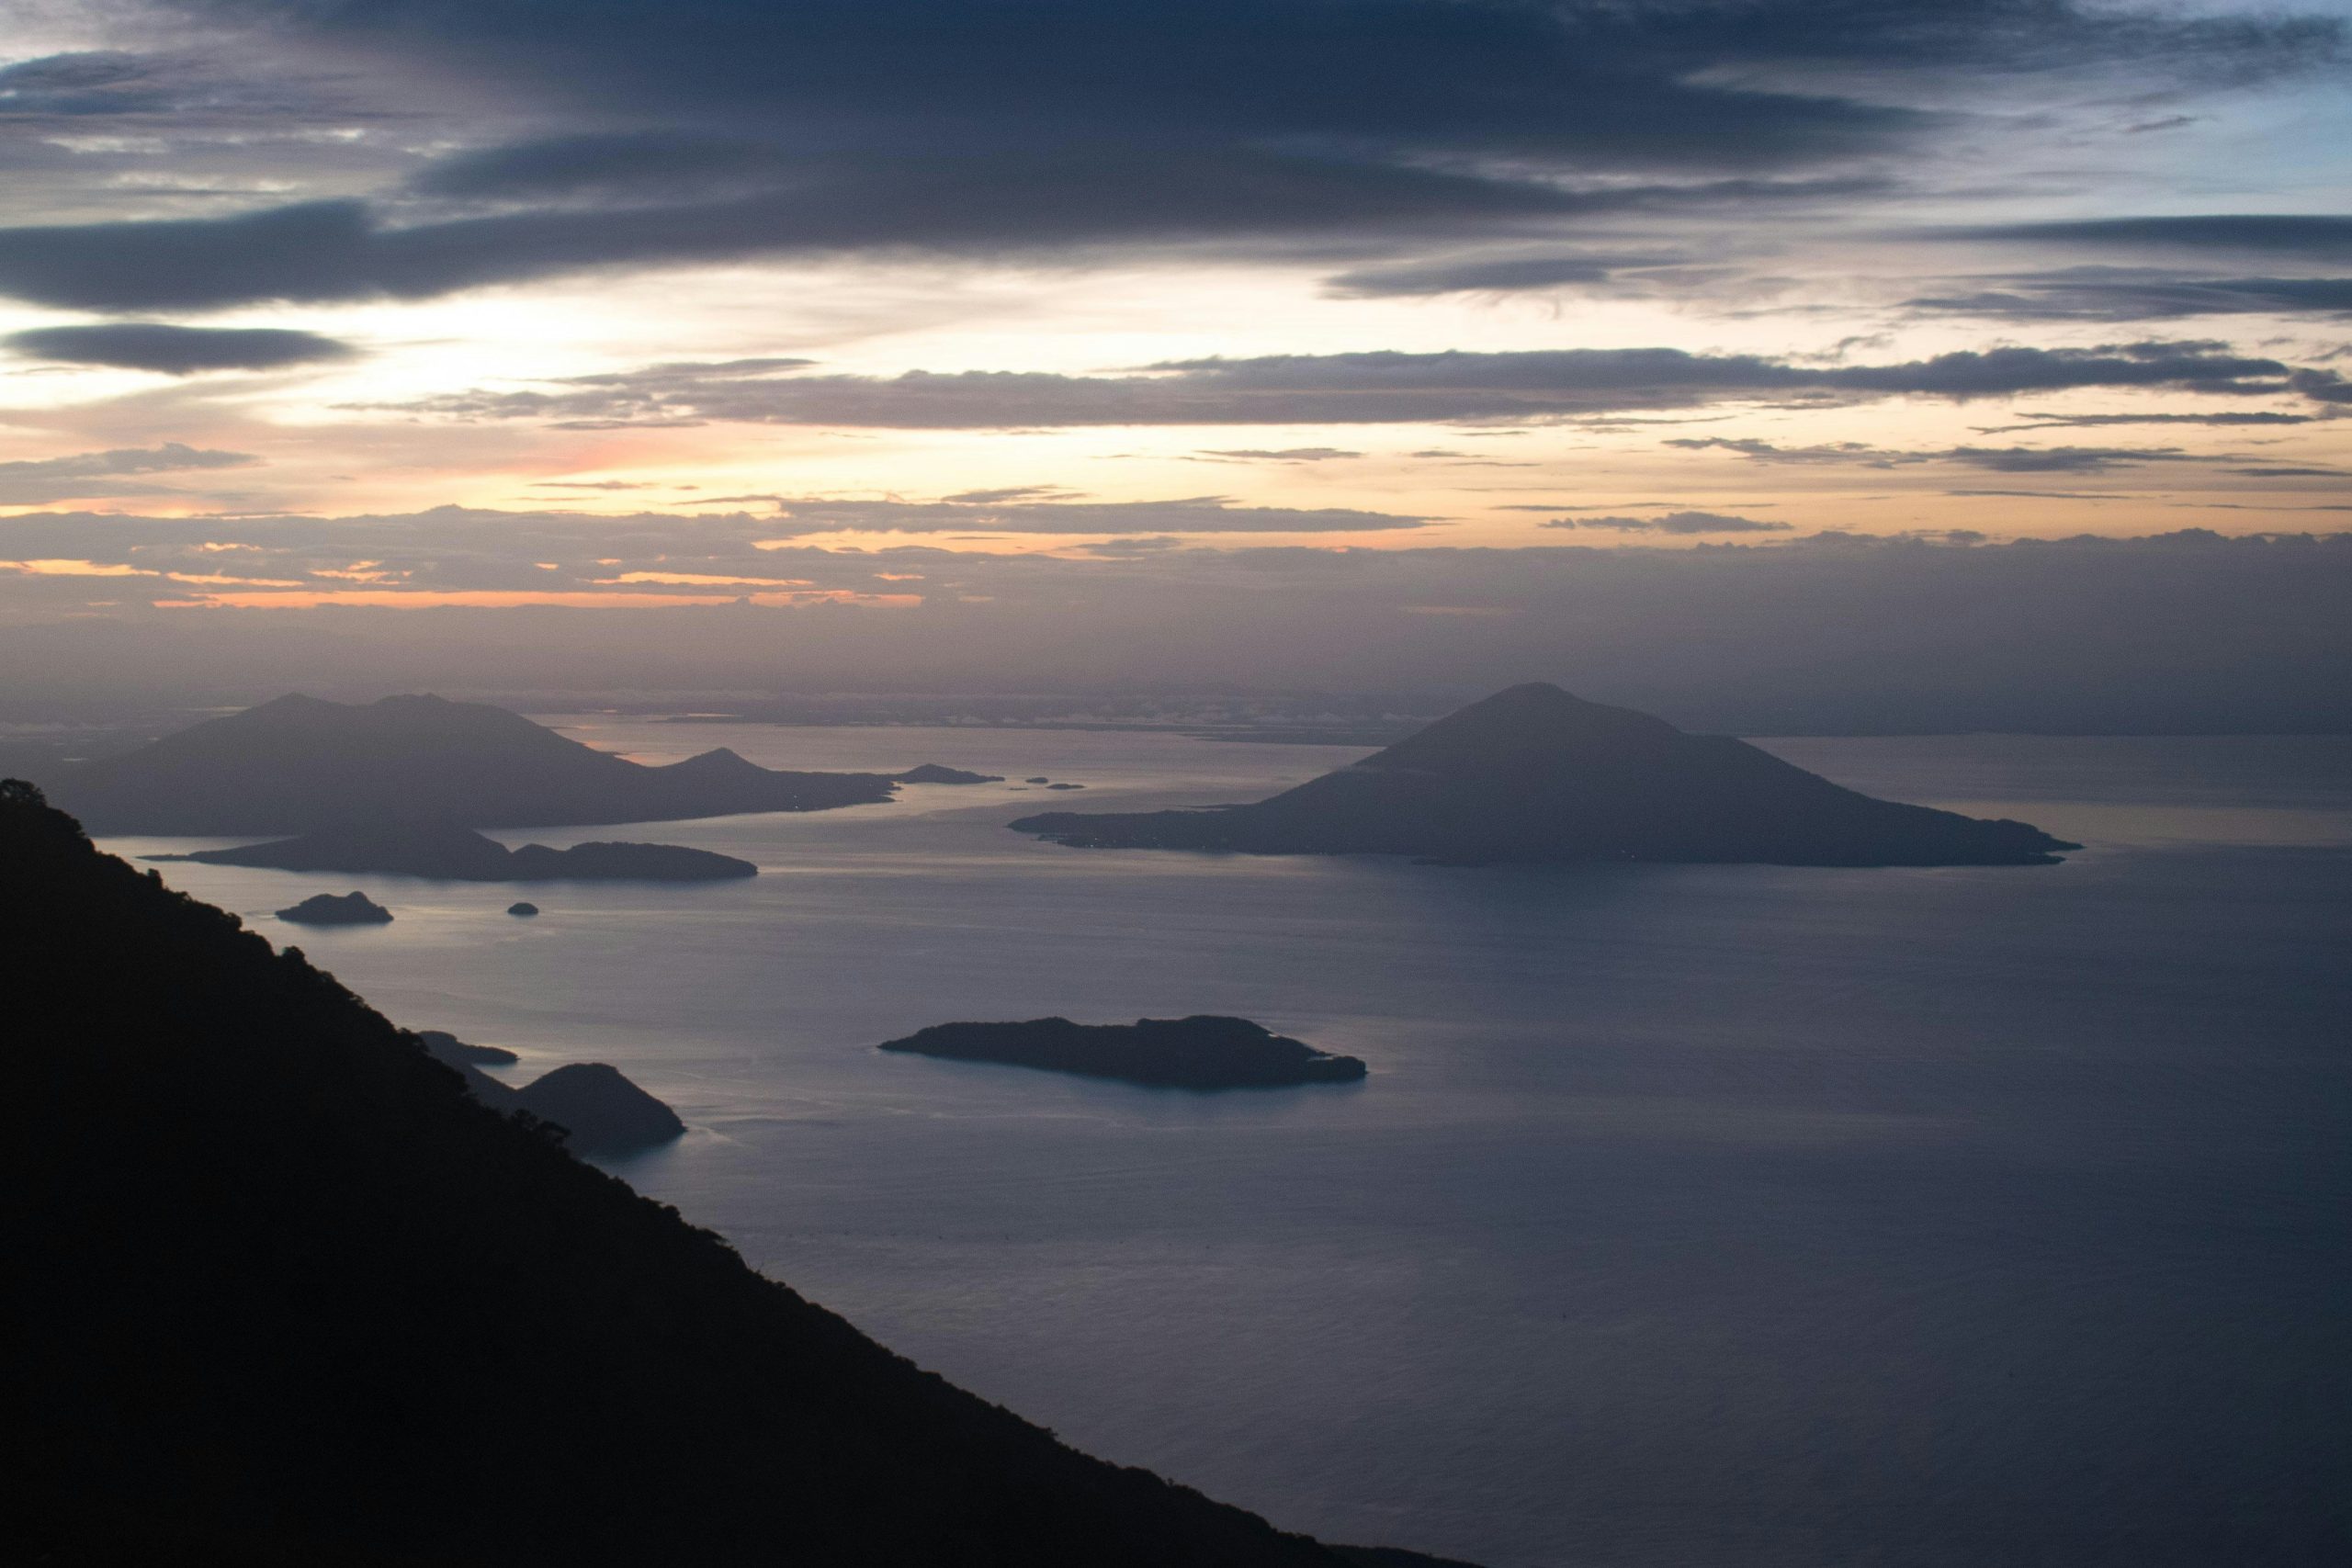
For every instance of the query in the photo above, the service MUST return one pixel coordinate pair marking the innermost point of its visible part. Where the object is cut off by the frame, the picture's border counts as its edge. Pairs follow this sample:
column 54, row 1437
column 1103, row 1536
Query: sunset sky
column 497, row 302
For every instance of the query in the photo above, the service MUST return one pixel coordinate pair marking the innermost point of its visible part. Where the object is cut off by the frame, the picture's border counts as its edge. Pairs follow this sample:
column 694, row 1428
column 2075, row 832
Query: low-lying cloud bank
column 1693, row 522
column 42, row 481
column 1383, row 387
column 2182, row 632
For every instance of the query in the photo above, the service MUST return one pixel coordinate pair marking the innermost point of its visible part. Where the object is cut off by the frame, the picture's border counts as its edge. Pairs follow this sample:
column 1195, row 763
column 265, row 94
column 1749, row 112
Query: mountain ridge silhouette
column 298, row 763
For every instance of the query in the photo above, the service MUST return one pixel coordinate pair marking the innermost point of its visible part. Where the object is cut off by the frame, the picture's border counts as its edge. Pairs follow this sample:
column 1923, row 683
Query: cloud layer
column 40, row 482
column 706, row 130
column 1347, row 389
column 176, row 350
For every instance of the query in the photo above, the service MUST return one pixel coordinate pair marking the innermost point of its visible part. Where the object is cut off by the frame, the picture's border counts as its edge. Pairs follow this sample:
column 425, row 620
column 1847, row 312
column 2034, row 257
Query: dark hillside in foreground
column 297, row 764
column 1532, row 774
column 285, row 1295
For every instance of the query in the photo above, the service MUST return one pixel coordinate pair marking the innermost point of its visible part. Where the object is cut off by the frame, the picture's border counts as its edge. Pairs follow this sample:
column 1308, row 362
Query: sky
column 906, row 305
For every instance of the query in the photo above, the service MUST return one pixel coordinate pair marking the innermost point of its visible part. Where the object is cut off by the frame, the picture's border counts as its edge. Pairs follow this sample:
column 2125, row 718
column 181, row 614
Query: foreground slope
column 299, row 764
column 1532, row 774
column 285, row 1295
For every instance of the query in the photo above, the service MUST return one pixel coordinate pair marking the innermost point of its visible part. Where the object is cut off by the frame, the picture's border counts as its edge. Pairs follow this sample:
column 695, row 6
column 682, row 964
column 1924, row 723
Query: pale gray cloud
column 1677, row 522
column 1022, row 511
column 89, row 474
column 1345, row 388
column 2000, row 459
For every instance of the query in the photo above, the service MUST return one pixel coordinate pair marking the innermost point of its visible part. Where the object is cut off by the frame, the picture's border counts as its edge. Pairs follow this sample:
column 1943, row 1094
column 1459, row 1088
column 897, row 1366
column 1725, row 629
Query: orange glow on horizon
column 504, row 599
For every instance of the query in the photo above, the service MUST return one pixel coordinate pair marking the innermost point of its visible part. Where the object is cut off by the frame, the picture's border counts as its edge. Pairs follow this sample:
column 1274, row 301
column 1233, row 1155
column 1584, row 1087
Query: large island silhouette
column 1532, row 774
column 299, row 764
column 285, row 1294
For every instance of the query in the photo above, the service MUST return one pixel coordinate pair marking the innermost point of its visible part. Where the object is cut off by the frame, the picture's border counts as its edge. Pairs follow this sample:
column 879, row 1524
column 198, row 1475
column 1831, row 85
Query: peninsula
column 600, row 1111
column 446, row 853
column 1202, row 1051
column 299, row 764
column 1533, row 774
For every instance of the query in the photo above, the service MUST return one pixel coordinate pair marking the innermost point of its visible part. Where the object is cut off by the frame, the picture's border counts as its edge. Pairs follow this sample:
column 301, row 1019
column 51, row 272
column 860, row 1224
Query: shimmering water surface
column 1691, row 1216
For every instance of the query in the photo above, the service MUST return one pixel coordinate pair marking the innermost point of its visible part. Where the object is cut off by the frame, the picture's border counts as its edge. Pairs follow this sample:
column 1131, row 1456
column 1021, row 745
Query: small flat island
column 1202, row 1051
column 446, row 851
column 328, row 909
column 933, row 773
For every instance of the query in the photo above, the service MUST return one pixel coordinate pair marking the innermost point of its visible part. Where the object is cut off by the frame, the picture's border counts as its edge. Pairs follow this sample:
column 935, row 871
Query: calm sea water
column 1691, row 1216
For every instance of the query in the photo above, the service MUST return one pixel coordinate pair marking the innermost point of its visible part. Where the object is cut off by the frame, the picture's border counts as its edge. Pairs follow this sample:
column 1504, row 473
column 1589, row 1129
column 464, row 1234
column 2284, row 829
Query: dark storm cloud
column 2323, row 386
column 2322, row 235
column 1581, row 77
column 1010, row 203
column 87, row 83
column 615, row 165
column 1346, row 389
column 973, row 128
column 2123, row 295
column 1677, row 522
column 1428, row 74
column 178, row 351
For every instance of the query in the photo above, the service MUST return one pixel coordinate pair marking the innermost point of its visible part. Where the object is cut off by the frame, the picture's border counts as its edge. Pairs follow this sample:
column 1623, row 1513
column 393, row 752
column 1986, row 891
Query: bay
column 1690, row 1215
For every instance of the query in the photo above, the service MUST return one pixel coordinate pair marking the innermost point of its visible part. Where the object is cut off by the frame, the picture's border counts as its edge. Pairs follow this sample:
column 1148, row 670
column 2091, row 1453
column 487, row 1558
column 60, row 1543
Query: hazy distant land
column 297, row 764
